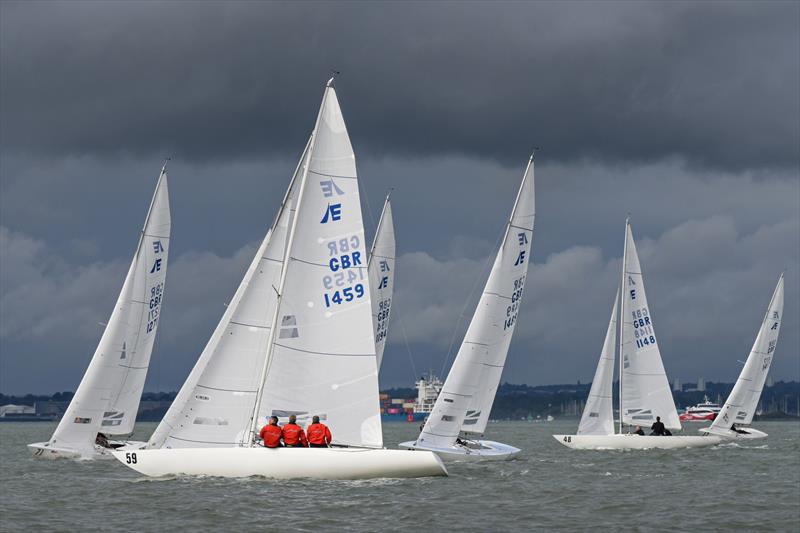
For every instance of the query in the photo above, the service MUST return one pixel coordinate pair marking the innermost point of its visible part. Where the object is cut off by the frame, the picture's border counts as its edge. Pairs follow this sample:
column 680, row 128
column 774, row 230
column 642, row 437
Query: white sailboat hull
column 635, row 442
column 284, row 463
column 481, row 450
column 730, row 435
column 44, row 450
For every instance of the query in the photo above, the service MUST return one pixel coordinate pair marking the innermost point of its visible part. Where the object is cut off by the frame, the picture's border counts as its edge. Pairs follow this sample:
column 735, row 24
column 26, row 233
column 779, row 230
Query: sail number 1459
column 348, row 294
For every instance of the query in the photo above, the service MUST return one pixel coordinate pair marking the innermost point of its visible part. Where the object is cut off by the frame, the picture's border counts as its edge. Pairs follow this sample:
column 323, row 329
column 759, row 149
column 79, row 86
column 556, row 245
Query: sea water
column 753, row 486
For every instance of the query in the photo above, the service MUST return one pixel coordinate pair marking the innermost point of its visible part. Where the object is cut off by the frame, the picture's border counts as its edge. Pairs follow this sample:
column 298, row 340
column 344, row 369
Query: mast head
column 334, row 73
column 533, row 152
column 164, row 166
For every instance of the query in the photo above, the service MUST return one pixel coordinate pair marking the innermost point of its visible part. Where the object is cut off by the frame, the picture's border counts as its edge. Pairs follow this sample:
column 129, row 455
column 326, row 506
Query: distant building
column 676, row 385
column 12, row 411
column 701, row 384
column 770, row 382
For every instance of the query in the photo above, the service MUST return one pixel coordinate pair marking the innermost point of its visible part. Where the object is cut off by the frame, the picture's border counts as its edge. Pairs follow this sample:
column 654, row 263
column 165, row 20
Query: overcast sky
column 685, row 115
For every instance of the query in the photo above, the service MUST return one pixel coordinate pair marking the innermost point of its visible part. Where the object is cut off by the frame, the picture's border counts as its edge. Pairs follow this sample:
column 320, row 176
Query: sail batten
column 465, row 401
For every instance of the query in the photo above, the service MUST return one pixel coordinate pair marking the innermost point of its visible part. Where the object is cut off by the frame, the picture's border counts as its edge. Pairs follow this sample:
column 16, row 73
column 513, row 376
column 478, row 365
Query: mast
column 378, row 230
column 623, row 288
column 284, row 268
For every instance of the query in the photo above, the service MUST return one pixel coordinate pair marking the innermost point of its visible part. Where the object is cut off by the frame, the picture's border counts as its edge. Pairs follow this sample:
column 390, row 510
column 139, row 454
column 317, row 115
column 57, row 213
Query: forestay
column 381, row 278
column 108, row 396
column 215, row 403
column 645, row 389
column 466, row 399
column 323, row 360
column 598, row 415
column 743, row 400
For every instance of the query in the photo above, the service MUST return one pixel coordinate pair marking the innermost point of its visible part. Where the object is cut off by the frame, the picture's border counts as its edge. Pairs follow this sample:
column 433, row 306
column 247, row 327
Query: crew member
column 271, row 433
column 658, row 428
column 319, row 436
column 638, row 431
column 102, row 440
column 293, row 435
column 737, row 430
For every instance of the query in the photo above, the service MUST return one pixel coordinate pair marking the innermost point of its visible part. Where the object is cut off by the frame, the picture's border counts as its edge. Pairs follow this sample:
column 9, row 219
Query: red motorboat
column 702, row 412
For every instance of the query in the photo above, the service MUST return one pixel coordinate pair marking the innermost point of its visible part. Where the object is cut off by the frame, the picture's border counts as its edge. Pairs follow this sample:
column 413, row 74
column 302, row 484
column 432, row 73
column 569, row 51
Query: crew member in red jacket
column 319, row 436
column 271, row 433
column 293, row 435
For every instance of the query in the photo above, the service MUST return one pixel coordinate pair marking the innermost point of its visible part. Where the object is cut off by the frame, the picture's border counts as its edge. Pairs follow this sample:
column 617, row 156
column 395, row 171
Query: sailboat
column 381, row 277
column 297, row 339
column 462, row 409
column 643, row 387
column 742, row 403
column 108, row 396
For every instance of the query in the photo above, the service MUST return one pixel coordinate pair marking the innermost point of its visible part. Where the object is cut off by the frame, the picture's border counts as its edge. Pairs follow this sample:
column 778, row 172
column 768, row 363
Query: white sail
column 381, row 277
column 108, row 396
column 468, row 393
column 741, row 405
column 322, row 361
column 598, row 415
column 646, row 393
column 215, row 403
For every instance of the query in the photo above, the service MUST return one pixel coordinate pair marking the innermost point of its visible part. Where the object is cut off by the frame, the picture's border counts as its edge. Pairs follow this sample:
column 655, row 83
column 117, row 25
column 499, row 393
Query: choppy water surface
column 754, row 486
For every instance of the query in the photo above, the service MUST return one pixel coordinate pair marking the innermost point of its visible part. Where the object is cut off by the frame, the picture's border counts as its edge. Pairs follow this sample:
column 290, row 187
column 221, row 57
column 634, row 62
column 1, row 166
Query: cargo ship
column 410, row 409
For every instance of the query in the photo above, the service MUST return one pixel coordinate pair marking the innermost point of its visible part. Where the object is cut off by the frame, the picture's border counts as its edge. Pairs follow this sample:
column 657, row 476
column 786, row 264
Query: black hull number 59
column 130, row 458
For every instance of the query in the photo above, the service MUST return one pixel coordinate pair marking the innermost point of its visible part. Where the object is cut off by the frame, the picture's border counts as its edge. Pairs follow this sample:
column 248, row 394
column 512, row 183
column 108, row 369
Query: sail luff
column 279, row 290
column 742, row 402
column 621, row 321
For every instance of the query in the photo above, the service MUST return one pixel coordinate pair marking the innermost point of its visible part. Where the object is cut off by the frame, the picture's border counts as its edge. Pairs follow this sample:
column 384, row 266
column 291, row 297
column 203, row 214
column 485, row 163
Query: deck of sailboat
column 284, row 463
column 632, row 441
column 481, row 450
column 44, row 450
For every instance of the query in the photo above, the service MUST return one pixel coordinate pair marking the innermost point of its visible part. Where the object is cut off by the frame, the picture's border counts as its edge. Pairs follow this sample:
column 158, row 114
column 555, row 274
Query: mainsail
column 108, row 396
column 381, row 278
column 741, row 405
column 322, row 358
column 468, row 393
column 215, row 403
column 645, row 390
column 598, row 415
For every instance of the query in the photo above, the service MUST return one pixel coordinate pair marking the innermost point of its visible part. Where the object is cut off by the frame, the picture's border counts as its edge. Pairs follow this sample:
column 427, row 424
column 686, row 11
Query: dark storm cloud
column 715, row 83
column 685, row 115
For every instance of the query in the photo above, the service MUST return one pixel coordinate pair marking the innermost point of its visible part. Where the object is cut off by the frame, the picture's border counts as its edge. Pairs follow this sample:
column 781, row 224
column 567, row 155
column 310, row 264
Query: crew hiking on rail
column 291, row 435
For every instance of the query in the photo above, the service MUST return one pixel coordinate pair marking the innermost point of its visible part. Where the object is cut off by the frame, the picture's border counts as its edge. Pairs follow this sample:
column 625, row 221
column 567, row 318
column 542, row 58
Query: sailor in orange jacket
column 319, row 436
column 293, row 435
column 271, row 433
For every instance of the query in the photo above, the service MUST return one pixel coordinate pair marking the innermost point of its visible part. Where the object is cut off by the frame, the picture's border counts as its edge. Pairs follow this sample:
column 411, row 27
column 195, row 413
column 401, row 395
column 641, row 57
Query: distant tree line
column 513, row 402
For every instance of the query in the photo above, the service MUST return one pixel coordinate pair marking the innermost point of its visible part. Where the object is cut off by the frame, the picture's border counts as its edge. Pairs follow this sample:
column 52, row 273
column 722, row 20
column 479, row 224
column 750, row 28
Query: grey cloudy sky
column 686, row 115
